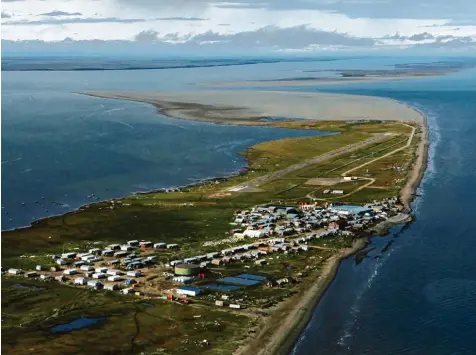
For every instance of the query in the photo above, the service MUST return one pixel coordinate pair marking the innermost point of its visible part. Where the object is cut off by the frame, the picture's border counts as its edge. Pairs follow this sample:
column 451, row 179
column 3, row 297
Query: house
column 114, row 262
column 126, row 247
column 111, row 287
column 120, row 254
column 337, row 192
column 70, row 272
column 113, row 272
column 80, row 281
column 145, row 244
column 188, row 290
column 60, row 278
column 172, row 246
column 46, row 277
column 95, row 251
column 337, row 225
column 127, row 291
column 134, row 273
column 38, row 268
column 260, row 262
column 63, row 262
column 150, row 259
column 133, row 243
column 107, row 252
column 68, row 255
column 98, row 276
column 94, row 284
column 160, row 245
column 101, row 269
column 79, row 263
column 175, row 262
column 114, row 247
column 86, row 268
column 114, row 278
column 31, row 274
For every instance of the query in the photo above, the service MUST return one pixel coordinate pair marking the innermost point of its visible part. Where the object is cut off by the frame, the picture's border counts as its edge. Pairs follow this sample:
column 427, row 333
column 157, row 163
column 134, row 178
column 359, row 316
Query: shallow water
column 79, row 323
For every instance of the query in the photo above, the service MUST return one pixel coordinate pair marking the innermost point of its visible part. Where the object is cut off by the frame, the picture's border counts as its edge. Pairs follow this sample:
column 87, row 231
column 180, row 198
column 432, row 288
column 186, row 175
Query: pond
column 79, row 323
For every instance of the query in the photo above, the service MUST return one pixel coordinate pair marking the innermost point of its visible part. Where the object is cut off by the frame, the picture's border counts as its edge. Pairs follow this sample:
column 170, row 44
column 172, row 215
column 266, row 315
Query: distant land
column 41, row 63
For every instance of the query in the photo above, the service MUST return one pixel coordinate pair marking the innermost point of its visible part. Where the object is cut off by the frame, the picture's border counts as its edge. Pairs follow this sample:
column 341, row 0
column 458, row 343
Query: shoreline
column 285, row 337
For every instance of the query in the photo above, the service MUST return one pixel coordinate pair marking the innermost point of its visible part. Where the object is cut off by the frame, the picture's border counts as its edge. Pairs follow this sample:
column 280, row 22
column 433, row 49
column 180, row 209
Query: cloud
column 466, row 43
column 181, row 19
column 61, row 13
column 416, row 37
column 63, row 21
column 382, row 9
column 289, row 38
column 5, row 15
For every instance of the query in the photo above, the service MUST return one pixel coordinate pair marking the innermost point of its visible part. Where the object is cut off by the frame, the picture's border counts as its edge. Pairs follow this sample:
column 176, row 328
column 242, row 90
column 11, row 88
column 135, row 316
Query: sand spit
column 313, row 81
column 250, row 107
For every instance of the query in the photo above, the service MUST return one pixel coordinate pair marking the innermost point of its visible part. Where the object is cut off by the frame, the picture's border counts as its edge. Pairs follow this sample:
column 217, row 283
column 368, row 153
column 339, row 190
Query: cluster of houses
column 82, row 265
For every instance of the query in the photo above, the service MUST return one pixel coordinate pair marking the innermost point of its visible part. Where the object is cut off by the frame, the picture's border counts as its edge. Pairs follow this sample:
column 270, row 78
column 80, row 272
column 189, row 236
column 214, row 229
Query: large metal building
column 187, row 269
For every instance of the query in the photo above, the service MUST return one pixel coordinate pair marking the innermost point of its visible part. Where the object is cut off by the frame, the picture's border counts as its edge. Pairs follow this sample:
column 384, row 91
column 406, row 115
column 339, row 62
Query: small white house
column 38, row 268
column 134, row 273
column 188, row 290
column 160, row 245
column 127, row 291
column 80, row 281
column 86, row 268
column 113, row 272
column 133, row 243
column 68, row 255
column 101, row 269
column 126, row 247
column 94, row 284
column 70, row 272
column 62, row 262
column 172, row 246
column 45, row 277
column 98, row 275
column 114, row 278
column 111, row 287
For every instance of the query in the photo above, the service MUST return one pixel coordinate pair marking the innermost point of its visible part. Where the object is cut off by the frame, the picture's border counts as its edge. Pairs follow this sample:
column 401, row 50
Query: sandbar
column 250, row 107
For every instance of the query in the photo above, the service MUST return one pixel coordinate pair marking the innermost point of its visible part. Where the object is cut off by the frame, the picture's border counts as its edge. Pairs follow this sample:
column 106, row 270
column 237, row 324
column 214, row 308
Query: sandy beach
column 249, row 107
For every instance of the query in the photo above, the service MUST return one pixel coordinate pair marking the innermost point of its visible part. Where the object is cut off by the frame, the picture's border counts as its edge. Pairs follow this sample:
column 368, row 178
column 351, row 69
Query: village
column 258, row 235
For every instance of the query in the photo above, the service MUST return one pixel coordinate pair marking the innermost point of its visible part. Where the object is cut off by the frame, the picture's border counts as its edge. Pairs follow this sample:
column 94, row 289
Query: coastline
column 295, row 321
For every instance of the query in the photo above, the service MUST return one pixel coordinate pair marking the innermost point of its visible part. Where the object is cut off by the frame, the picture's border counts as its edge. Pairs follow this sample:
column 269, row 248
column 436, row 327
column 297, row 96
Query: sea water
column 415, row 293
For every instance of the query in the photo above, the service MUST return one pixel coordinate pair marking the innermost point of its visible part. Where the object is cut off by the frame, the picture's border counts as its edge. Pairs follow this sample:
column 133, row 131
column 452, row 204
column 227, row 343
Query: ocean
column 414, row 290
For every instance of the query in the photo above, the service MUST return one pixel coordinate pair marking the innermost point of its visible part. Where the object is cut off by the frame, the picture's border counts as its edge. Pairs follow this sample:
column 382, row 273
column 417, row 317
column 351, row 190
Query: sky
column 242, row 26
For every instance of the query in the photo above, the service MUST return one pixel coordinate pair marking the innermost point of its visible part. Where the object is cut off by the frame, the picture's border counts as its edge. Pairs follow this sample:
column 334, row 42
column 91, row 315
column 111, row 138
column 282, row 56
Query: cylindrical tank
column 187, row 269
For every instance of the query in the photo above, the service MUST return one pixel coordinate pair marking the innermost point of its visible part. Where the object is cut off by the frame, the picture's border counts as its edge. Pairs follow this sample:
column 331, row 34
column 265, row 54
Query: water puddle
column 79, row 323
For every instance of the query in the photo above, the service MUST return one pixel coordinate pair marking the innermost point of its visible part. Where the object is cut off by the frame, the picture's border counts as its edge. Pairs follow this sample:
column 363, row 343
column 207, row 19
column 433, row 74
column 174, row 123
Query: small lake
column 79, row 323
